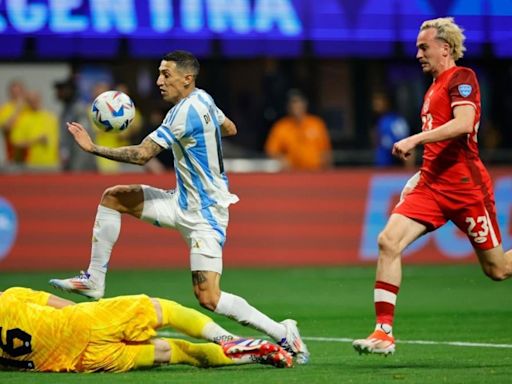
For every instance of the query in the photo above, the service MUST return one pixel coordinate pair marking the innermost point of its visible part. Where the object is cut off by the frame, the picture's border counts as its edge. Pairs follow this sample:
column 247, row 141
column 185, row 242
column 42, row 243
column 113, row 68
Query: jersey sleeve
column 28, row 295
column 463, row 88
column 171, row 130
column 22, row 132
column 221, row 117
column 275, row 144
column 5, row 113
column 324, row 134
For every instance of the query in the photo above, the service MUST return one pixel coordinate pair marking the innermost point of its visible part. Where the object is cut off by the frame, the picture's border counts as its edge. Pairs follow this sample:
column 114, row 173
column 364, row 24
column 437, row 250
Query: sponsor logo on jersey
column 465, row 90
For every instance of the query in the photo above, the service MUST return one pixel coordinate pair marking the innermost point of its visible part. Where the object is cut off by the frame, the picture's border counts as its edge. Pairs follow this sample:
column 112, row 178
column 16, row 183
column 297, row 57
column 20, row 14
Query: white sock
column 387, row 328
column 240, row 310
column 104, row 235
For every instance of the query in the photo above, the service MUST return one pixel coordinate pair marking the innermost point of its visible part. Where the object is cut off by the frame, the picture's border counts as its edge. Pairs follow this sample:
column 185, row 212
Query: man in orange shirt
column 300, row 140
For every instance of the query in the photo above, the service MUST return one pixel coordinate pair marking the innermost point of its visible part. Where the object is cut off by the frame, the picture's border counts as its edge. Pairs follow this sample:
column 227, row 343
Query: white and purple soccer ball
column 112, row 111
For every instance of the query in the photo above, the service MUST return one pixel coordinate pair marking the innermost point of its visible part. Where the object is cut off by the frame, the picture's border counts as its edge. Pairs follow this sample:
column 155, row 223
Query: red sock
column 384, row 296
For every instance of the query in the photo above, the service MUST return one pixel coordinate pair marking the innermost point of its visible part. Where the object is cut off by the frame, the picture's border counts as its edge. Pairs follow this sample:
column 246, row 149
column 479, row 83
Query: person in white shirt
column 197, row 208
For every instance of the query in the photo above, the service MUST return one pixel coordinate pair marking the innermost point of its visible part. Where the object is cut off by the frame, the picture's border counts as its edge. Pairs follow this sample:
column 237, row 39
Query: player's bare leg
column 207, row 290
column 496, row 263
column 107, row 226
column 399, row 232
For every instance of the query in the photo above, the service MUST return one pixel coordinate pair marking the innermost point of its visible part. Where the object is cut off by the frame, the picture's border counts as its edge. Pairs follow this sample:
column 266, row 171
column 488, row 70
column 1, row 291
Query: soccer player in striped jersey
column 46, row 333
column 197, row 208
column 453, row 184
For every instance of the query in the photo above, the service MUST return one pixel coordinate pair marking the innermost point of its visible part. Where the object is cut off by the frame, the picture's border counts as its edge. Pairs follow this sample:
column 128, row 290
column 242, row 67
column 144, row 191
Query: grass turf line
column 436, row 303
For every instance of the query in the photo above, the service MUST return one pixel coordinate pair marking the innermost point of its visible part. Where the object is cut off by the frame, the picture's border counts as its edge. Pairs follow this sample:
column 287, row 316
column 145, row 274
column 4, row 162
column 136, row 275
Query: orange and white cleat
column 247, row 350
column 378, row 342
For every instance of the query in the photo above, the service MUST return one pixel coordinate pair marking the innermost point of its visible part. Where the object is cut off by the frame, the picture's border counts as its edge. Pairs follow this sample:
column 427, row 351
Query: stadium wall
column 283, row 219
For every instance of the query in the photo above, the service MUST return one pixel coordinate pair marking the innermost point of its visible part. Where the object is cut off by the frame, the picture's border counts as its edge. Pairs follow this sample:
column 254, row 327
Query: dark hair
column 390, row 97
column 295, row 93
column 184, row 60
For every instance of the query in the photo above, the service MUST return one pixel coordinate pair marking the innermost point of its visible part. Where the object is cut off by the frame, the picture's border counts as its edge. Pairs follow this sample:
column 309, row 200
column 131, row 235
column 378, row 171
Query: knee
column 110, row 197
column 387, row 245
column 163, row 346
column 123, row 198
column 207, row 298
column 497, row 274
column 162, row 351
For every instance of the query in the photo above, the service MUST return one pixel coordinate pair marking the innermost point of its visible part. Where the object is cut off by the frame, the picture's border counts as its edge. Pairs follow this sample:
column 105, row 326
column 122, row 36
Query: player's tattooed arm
column 134, row 154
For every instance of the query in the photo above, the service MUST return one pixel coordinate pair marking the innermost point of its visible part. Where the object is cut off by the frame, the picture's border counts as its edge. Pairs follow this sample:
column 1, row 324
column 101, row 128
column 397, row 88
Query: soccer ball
column 112, row 111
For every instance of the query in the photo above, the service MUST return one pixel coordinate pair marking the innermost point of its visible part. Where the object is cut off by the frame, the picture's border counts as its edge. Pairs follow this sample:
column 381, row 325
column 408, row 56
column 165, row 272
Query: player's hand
column 403, row 148
column 81, row 136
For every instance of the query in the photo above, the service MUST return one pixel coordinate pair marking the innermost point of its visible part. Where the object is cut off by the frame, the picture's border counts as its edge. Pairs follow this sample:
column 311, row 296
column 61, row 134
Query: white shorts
column 204, row 230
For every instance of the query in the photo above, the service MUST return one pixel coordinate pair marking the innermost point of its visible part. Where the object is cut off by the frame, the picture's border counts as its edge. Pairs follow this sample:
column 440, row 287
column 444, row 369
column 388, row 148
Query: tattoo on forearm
column 129, row 154
column 133, row 154
column 198, row 277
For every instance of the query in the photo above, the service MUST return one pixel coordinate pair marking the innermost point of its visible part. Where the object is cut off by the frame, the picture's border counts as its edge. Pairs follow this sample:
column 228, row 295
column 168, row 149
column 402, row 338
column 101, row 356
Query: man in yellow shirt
column 42, row 332
column 10, row 112
column 37, row 136
column 300, row 140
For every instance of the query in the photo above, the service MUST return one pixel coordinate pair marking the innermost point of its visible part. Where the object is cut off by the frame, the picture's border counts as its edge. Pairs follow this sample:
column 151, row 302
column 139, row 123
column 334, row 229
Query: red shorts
column 472, row 211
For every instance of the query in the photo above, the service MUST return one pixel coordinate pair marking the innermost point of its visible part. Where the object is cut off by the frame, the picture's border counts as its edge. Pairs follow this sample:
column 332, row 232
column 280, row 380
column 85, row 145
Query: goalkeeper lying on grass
column 43, row 332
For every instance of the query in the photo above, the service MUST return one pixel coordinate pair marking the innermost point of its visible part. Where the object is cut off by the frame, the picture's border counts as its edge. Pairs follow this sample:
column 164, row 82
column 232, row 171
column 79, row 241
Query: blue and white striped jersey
column 191, row 129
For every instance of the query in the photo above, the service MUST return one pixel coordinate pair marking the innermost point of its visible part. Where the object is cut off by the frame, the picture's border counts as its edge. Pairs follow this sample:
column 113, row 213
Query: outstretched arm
column 461, row 124
column 134, row 154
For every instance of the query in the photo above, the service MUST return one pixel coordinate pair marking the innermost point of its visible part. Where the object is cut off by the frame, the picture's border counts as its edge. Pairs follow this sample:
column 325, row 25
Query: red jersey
column 452, row 164
column 454, row 184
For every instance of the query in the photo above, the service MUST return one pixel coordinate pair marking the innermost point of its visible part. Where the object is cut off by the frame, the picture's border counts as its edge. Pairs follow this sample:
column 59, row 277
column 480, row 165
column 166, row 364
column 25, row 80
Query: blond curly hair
column 449, row 32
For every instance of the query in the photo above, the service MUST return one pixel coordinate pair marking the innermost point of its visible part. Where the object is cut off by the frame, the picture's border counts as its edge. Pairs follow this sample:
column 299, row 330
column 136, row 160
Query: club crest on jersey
column 465, row 90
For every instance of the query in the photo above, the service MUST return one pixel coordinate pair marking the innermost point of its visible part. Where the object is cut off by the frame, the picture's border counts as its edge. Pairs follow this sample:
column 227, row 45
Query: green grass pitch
column 437, row 304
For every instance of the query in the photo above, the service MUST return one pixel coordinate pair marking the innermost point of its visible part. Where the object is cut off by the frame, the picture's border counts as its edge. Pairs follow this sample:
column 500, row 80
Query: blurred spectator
column 389, row 128
column 275, row 85
column 132, row 134
column 37, row 136
column 10, row 112
column 300, row 140
column 72, row 158
column 108, row 139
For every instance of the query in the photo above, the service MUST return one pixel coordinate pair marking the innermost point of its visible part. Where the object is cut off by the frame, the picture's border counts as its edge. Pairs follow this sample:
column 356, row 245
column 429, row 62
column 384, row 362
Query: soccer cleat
column 81, row 284
column 378, row 342
column 257, row 351
column 293, row 342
